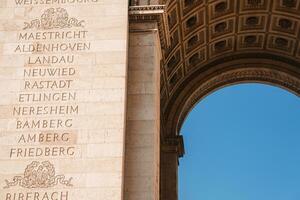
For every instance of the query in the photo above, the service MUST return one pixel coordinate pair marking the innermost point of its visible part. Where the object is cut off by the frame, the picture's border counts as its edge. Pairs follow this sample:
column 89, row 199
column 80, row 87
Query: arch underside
column 236, row 69
column 237, row 72
column 215, row 43
column 229, row 70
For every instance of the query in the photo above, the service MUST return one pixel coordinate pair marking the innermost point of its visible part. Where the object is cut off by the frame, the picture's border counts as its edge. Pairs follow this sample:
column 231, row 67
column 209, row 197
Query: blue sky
column 242, row 143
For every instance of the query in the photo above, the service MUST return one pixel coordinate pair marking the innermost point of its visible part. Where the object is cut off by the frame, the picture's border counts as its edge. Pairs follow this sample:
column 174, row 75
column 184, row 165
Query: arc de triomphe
column 94, row 92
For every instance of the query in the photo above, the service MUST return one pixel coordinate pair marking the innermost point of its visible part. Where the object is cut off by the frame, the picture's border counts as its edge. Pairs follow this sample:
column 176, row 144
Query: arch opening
column 215, row 44
column 248, row 68
column 226, row 71
column 245, row 142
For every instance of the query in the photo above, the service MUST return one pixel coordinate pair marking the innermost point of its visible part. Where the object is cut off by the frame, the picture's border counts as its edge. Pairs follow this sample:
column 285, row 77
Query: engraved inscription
column 43, row 75
column 57, row 195
column 52, row 35
column 48, row 48
column 62, row 85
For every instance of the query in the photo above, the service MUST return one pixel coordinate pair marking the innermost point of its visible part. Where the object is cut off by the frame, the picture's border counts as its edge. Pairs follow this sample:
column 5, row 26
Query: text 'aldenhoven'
column 42, row 48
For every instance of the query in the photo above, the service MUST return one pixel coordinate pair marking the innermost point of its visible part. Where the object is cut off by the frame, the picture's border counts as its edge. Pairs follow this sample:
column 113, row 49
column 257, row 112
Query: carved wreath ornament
column 54, row 18
column 39, row 175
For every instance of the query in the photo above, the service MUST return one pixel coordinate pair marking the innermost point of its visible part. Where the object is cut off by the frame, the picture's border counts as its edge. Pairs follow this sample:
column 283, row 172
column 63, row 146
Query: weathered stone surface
column 62, row 107
column 142, row 124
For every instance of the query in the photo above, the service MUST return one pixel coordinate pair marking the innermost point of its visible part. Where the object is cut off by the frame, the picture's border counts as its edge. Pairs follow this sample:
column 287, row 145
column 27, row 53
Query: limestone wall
column 143, row 116
column 63, row 66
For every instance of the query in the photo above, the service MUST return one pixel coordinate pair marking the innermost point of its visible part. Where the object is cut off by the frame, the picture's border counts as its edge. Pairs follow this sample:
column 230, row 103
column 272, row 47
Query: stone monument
column 94, row 92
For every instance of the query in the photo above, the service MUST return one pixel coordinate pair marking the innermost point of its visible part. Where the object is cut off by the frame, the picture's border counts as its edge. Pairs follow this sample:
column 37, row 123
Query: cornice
column 174, row 144
column 148, row 13
column 148, row 9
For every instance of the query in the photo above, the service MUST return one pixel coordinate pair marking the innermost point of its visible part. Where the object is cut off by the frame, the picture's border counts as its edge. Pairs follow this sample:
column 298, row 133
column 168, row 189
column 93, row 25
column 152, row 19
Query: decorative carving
column 254, row 2
column 219, row 46
column 281, row 42
column 175, row 78
column 193, row 41
column 39, row 175
column 249, row 23
column 54, row 18
column 173, row 62
column 189, row 5
column 285, row 23
column 221, row 7
column 145, row 3
column 220, row 27
column 194, row 59
column 174, row 145
column 151, row 9
column 188, row 2
column 191, row 21
column 289, row 3
column 252, row 21
column 172, row 18
column 250, row 39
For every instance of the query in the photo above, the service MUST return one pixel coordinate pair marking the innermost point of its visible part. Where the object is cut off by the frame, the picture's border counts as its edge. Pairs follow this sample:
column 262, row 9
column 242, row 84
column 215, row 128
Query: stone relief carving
column 54, row 18
column 39, row 175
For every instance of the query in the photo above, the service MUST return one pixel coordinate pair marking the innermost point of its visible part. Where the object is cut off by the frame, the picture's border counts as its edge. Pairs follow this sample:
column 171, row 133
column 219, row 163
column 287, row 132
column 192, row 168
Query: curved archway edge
column 240, row 70
column 258, row 68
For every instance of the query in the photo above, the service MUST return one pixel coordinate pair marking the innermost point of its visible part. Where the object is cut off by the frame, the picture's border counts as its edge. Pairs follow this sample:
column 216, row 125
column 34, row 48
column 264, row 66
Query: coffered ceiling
column 203, row 31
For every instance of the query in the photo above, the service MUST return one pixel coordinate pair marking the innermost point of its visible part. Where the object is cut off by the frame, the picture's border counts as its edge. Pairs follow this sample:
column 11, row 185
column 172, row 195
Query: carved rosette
column 54, row 18
column 38, row 175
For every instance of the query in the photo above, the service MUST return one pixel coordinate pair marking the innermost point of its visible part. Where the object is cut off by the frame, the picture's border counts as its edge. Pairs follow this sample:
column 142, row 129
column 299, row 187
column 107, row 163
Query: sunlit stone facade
column 94, row 92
